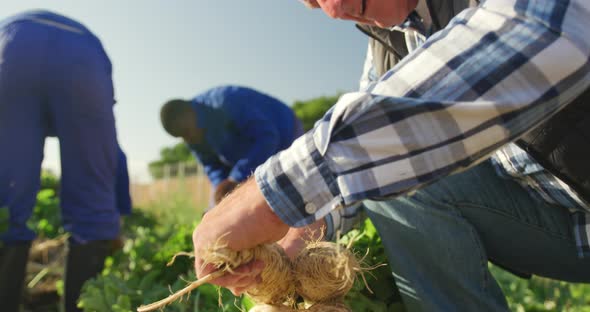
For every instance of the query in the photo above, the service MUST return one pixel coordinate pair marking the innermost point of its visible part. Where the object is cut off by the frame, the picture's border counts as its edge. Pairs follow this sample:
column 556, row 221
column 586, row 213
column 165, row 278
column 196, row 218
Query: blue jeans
column 439, row 240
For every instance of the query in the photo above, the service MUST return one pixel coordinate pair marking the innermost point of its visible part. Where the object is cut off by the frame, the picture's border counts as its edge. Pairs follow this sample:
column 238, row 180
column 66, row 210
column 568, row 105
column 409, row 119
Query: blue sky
column 165, row 49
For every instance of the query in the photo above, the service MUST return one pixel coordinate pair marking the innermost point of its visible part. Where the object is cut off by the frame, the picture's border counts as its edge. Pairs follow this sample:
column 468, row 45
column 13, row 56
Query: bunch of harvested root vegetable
column 321, row 274
column 318, row 307
column 324, row 273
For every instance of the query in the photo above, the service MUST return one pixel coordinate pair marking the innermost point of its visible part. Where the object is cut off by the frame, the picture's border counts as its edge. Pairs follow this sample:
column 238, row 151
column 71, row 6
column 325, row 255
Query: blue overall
column 55, row 79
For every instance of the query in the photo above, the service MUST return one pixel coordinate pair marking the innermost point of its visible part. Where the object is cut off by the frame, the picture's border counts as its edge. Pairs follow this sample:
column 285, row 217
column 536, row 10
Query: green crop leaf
column 4, row 219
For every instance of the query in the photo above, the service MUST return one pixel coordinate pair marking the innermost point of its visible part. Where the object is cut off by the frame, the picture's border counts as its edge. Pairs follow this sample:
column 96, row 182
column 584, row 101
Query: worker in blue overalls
column 231, row 130
column 55, row 79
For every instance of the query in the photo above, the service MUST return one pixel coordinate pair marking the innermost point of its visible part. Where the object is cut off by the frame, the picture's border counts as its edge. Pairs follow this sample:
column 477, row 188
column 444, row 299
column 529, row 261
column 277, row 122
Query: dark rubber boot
column 13, row 263
column 84, row 262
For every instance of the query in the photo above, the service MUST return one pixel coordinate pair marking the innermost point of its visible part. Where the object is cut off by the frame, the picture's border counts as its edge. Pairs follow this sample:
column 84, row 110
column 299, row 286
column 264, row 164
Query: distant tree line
column 312, row 110
column 169, row 156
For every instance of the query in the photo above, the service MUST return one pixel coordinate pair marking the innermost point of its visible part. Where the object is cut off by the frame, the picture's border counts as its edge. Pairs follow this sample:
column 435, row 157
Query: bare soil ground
column 45, row 267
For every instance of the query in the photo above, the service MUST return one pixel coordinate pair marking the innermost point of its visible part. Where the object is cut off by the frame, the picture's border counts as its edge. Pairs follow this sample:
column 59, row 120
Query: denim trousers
column 439, row 240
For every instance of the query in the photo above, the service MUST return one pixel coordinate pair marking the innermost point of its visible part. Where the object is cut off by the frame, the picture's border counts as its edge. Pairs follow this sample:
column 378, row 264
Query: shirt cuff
column 298, row 184
column 215, row 180
column 340, row 222
column 237, row 175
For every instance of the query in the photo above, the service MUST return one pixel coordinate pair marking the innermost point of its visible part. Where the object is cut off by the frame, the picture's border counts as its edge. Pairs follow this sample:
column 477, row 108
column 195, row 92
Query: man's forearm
column 225, row 187
column 446, row 107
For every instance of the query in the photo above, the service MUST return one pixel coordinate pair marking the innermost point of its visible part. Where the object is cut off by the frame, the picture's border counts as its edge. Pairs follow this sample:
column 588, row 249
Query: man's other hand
column 224, row 188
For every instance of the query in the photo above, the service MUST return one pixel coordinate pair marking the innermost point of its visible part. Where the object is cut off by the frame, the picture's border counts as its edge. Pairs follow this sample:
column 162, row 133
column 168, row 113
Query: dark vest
column 561, row 145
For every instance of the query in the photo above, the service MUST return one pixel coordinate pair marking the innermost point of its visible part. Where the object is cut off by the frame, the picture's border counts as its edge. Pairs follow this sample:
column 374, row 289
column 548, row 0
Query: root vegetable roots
column 277, row 286
column 322, row 274
column 324, row 271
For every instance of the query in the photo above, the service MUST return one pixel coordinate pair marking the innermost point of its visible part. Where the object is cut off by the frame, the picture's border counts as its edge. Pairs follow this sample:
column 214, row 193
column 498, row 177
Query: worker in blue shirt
column 231, row 130
column 55, row 79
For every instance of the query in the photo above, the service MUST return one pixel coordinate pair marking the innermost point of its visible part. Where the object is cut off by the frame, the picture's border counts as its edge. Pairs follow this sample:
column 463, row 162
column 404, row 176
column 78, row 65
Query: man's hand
column 297, row 238
column 241, row 221
column 119, row 242
column 224, row 188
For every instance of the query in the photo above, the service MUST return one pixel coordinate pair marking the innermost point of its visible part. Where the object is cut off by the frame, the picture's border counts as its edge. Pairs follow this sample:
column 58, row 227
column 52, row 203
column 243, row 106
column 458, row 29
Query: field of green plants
column 137, row 273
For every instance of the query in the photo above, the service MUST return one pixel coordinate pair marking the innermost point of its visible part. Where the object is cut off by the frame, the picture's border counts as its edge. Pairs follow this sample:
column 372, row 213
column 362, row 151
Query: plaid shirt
column 493, row 73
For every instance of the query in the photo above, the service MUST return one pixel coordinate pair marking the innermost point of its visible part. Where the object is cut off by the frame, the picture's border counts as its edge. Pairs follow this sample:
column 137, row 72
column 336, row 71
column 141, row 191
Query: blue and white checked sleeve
column 495, row 72
column 340, row 221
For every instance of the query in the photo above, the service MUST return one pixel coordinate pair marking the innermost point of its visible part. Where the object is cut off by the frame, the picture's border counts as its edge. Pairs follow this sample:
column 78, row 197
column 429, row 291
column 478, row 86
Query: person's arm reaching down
column 492, row 74
column 215, row 170
column 480, row 83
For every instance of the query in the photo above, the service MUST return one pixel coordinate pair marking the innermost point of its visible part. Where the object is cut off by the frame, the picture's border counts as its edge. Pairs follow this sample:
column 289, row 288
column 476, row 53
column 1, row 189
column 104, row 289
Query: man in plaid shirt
column 426, row 129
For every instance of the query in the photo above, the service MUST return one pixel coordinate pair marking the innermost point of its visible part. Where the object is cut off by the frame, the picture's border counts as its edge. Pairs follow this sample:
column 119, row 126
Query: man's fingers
column 203, row 270
column 238, row 291
column 245, row 284
column 242, row 277
column 237, row 284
